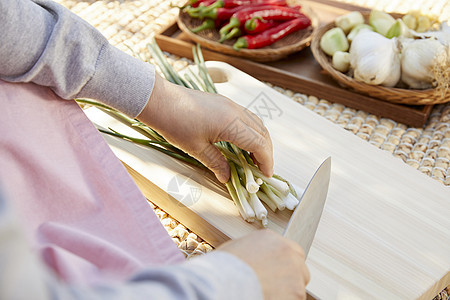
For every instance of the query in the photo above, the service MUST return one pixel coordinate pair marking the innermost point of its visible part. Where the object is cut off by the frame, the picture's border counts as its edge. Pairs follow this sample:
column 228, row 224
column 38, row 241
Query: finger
column 249, row 118
column 259, row 165
column 302, row 257
column 261, row 162
column 306, row 275
column 213, row 159
column 254, row 122
column 250, row 140
column 303, row 295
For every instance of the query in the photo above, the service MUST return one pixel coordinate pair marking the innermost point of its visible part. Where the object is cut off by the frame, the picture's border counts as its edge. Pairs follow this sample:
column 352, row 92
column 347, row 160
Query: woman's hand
column 193, row 121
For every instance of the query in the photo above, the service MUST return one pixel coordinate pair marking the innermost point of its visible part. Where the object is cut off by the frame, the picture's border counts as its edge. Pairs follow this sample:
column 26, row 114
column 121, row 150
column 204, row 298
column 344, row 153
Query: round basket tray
column 394, row 95
column 294, row 42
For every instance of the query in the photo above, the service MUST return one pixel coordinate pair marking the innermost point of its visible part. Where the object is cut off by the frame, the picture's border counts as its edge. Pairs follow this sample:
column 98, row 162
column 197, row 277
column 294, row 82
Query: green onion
column 277, row 200
column 289, row 200
column 264, row 198
column 251, row 185
column 249, row 214
column 151, row 144
column 258, row 208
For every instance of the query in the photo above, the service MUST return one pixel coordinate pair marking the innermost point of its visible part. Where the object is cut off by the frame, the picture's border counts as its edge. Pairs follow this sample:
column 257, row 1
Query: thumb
column 213, row 159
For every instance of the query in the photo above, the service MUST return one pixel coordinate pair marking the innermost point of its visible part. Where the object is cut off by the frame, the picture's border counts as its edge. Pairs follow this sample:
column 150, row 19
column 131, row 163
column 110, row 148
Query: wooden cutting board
column 385, row 229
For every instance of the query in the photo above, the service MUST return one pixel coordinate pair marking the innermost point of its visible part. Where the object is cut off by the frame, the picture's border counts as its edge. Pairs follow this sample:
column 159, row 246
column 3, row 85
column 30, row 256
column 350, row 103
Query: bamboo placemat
column 131, row 23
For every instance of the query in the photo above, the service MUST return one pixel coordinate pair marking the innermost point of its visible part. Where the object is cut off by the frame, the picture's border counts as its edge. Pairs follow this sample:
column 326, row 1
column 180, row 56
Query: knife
column 303, row 223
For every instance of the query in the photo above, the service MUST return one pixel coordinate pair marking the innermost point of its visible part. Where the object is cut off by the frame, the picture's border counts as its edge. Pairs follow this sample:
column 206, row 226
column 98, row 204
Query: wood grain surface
column 385, row 228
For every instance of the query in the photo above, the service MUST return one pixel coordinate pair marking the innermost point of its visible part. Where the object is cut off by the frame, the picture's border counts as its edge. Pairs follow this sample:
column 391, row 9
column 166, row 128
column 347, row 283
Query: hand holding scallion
column 186, row 119
column 194, row 121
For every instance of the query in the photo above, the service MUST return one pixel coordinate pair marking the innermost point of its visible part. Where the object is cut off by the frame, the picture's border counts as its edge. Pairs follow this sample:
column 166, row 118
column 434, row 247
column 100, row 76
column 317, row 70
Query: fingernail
column 269, row 173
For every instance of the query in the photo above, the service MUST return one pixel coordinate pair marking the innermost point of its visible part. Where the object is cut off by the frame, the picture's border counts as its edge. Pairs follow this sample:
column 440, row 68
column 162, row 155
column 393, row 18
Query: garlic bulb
column 419, row 60
column 375, row 59
column 442, row 35
column 357, row 29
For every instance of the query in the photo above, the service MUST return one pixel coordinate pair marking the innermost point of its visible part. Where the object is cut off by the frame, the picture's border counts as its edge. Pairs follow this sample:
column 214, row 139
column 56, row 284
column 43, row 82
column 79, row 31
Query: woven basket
column 394, row 95
column 294, row 42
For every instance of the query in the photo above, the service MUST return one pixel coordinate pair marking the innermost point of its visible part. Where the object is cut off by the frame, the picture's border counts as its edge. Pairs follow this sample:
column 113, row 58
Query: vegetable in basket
column 200, row 3
column 398, row 29
column 391, row 52
column 207, row 24
column 423, row 62
column 234, row 3
column 381, row 21
column 272, row 35
column 267, row 12
column 334, row 40
column 221, row 14
column 423, row 24
column 349, row 21
column 375, row 59
column 357, row 29
column 341, row 61
column 197, row 3
column 258, row 24
column 240, row 3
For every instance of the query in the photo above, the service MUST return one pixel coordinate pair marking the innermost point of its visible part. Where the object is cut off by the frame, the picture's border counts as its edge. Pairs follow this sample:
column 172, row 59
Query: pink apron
column 81, row 210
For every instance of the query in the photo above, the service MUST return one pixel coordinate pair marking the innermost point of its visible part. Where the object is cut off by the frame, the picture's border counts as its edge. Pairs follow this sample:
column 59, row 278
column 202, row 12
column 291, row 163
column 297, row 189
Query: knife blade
column 302, row 225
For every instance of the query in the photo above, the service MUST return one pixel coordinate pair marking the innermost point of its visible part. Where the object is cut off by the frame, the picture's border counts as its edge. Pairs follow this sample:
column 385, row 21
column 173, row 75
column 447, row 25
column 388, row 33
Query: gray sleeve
column 216, row 276
column 45, row 43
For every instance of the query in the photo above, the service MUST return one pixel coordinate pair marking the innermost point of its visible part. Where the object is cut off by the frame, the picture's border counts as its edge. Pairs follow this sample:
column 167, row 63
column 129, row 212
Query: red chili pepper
column 222, row 14
column 215, row 18
column 257, row 25
column 196, row 3
column 198, row 7
column 234, row 3
column 207, row 24
column 266, row 12
column 272, row 35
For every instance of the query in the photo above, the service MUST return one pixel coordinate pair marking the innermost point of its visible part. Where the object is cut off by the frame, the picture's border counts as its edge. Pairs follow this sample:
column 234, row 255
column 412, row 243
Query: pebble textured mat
column 131, row 23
